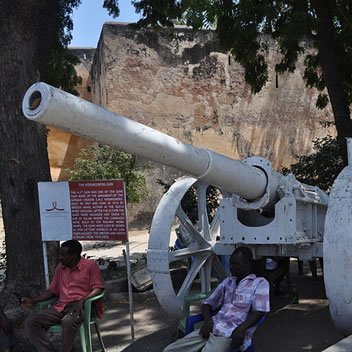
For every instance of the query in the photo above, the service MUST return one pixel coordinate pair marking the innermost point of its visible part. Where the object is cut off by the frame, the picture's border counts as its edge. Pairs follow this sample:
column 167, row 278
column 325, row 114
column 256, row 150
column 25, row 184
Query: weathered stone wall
column 179, row 82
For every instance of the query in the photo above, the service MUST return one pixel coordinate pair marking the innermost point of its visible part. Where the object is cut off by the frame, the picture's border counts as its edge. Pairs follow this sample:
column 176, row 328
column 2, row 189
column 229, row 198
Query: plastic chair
column 85, row 327
column 187, row 301
column 192, row 321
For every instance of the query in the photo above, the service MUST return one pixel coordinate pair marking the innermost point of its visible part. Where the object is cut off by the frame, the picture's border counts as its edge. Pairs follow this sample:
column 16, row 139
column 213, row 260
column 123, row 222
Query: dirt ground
column 306, row 326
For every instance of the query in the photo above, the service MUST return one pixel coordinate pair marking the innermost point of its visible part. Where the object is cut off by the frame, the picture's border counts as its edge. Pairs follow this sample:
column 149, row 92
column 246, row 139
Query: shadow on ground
column 153, row 342
column 302, row 327
column 306, row 326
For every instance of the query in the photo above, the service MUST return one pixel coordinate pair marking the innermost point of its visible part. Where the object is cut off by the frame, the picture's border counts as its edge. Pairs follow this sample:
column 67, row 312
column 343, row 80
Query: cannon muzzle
column 51, row 106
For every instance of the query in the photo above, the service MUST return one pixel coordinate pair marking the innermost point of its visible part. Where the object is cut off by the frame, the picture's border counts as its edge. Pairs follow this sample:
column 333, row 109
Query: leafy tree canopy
column 104, row 163
column 59, row 71
column 321, row 167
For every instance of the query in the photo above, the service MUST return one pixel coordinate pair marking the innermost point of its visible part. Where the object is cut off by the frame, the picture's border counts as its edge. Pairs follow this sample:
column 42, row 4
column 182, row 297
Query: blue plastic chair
column 197, row 318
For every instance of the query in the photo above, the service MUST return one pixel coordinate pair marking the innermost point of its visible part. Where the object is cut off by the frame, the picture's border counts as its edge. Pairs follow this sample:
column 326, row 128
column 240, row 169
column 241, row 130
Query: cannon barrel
column 51, row 106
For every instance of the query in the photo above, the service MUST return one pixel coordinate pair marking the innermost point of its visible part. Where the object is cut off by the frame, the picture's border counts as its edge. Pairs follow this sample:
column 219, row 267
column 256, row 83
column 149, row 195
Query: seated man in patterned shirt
column 241, row 301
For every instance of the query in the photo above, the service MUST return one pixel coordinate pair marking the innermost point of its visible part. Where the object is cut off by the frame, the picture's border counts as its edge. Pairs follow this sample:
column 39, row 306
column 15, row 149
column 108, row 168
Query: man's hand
column 29, row 301
column 238, row 336
column 26, row 302
column 77, row 308
column 5, row 325
column 206, row 329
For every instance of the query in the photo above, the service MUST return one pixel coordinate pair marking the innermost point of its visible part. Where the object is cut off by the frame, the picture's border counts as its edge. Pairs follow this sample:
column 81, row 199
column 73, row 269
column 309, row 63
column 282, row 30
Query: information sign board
column 83, row 210
column 98, row 210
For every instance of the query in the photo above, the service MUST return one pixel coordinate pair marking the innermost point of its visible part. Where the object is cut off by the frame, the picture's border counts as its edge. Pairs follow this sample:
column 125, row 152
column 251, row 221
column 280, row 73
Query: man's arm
column 239, row 333
column 207, row 327
column 97, row 291
column 214, row 301
column 78, row 305
column 29, row 301
column 97, row 286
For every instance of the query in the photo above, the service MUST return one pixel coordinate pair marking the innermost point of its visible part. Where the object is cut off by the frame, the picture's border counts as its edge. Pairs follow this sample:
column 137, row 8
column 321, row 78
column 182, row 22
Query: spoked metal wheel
column 199, row 252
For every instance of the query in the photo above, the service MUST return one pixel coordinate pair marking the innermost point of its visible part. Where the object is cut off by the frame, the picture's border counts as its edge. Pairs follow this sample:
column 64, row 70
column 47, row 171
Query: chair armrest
column 191, row 321
column 187, row 300
column 40, row 306
column 94, row 298
column 193, row 298
column 88, row 303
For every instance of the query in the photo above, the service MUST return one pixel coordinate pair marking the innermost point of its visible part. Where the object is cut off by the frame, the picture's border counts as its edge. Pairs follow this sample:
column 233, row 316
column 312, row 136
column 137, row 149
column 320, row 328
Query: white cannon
column 273, row 214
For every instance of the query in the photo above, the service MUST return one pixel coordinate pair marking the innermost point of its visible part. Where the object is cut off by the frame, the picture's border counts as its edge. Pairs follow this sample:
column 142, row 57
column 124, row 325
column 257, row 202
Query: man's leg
column 70, row 324
column 190, row 343
column 36, row 326
column 217, row 344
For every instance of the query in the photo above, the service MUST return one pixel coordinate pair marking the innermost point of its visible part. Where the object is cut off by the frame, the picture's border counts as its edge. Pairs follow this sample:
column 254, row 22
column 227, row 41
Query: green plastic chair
column 187, row 301
column 85, row 328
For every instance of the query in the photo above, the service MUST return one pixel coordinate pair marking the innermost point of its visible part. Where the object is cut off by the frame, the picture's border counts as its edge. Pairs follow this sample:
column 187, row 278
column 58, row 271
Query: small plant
column 102, row 162
column 321, row 167
column 189, row 200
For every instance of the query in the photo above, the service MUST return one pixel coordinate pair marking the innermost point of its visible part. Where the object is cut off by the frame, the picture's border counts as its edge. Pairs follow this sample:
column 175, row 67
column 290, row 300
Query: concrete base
column 344, row 345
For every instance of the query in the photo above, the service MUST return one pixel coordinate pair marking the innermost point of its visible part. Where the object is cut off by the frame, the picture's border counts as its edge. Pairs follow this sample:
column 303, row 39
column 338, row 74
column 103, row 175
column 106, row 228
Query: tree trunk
column 28, row 30
column 329, row 63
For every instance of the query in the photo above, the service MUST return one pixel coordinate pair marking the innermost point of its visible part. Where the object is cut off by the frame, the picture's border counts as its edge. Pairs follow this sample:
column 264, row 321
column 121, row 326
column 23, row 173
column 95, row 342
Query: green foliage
column 321, row 167
column 157, row 12
column 113, row 7
column 60, row 71
column 189, row 200
column 104, row 163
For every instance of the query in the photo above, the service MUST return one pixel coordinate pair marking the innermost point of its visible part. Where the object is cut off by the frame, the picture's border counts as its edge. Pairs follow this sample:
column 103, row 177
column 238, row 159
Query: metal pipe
column 48, row 105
